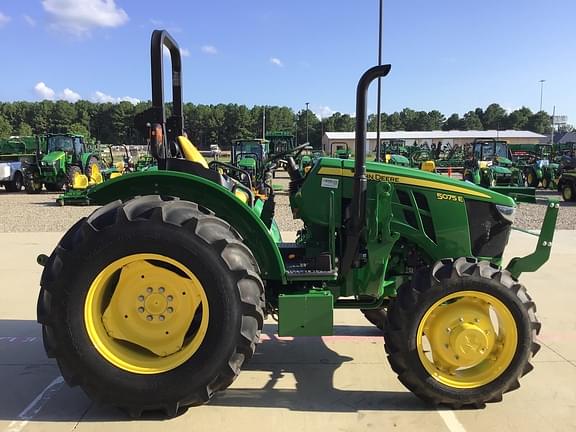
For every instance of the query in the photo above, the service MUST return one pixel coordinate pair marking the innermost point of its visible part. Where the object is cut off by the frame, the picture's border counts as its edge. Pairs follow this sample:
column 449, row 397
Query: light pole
column 378, row 125
column 264, row 122
column 541, row 92
column 307, row 103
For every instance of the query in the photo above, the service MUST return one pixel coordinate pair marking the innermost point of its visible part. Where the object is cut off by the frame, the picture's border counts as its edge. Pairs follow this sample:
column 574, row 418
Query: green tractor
column 158, row 299
column 491, row 165
column 567, row 185
column 280, row 141
column 249, row 154
column 535, row 162
column 395, row 152
column 340, row 150
column 67, row 163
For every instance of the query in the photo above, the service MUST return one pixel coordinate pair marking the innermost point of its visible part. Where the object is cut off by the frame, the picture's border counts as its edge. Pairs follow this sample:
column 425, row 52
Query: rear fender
column 207, row 194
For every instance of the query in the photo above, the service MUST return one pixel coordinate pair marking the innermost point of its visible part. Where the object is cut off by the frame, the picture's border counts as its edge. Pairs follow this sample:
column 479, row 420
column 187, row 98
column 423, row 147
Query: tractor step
column 302, row 268
column 304, row 274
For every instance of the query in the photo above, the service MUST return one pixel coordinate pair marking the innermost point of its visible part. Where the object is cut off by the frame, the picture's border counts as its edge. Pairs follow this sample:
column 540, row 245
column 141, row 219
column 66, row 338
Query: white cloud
column 209, row 49
column 276, row 61
column 43, row 91
column 4, row 19
column 105, row 98
column 29, row 20
column 80, row 16
column 69, row 95
column 323, row 111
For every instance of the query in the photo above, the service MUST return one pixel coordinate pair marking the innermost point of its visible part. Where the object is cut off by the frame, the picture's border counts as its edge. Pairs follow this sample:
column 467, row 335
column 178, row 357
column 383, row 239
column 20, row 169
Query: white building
column 333, row 140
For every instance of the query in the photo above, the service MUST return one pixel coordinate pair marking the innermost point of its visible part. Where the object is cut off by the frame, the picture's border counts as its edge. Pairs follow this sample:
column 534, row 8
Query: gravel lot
column 40, row 213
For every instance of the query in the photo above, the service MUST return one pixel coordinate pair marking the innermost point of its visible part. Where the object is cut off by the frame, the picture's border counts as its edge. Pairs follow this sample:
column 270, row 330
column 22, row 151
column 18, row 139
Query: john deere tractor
column 67, row 163
column 491, row 165
column 535, row 162
column 157, row 299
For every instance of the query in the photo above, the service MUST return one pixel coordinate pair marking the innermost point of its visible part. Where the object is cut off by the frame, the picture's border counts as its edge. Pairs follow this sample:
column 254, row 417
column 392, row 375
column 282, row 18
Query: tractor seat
column 195, row 164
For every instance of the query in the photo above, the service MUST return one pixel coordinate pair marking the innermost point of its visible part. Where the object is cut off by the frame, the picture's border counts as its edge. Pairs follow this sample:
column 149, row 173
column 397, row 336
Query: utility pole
column 378, row 125
column 264, row 122
column 541, row 92
column 307, row 140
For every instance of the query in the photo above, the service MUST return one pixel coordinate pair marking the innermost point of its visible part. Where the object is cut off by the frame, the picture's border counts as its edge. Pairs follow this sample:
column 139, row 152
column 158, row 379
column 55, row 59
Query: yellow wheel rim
column 567, row 192
column 467, row 339
column 530, row 178
column 146, row 313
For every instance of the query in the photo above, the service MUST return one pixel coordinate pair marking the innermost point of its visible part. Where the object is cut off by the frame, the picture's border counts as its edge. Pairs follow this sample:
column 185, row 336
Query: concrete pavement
column 340, row 382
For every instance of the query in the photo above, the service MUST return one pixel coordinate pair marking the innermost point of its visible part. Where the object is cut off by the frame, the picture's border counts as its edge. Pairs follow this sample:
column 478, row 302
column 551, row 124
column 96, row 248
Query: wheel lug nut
column 149, row 318
column 457, row 357
column 161, row 317
column 448, row 330
column 141, row 298
column 141, row 309
column 161, row 290
column 170, row 298
column 170, row 310
column 149, row 290
column 461, row 319
column 476, row 320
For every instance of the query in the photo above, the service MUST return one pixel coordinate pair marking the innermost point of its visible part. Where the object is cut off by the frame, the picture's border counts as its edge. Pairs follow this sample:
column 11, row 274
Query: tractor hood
column 398, row 159
column 501, row 170
column 51, row 157
column 395, row 174
column 247, row 163
column 503, row 162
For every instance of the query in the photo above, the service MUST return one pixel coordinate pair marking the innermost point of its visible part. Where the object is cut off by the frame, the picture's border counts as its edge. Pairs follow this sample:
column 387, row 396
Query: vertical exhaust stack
column 357, row 224
column 163, row 131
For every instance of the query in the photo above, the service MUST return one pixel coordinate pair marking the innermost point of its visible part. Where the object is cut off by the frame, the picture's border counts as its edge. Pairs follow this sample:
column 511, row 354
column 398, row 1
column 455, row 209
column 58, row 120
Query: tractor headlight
column 507, row 212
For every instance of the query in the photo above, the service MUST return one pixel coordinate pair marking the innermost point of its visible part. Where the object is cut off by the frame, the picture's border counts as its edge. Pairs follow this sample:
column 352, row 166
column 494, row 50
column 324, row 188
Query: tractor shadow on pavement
column 301, row 375
column 292, row 373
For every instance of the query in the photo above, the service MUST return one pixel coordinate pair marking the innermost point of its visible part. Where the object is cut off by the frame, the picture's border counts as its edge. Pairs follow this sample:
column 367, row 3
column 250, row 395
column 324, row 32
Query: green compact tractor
column 535, row 162
column 395, row 152
column 157, row 300
column 340, row 150
column 491, row 165
column 66, row 163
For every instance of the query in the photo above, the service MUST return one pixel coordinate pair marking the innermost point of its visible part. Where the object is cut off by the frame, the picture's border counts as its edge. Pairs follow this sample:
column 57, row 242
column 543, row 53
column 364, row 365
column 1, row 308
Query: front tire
column 441, row 339
column 114, row 282
column 568, row 192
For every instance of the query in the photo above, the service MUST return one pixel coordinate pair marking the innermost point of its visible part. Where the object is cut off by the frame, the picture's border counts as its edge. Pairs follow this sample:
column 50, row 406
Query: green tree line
column 220, row 124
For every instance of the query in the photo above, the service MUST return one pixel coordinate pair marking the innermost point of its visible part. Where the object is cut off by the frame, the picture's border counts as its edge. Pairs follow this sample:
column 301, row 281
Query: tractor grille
column 416, row 212
column 489, row 231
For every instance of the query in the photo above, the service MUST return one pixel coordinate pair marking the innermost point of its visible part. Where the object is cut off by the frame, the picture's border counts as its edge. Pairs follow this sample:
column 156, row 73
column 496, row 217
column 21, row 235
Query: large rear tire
column 442, row 340
column 131, row 273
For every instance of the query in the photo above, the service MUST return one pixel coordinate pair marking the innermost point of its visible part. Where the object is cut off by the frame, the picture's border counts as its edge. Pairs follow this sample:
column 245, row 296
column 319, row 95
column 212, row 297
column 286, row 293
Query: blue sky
column 447, row 55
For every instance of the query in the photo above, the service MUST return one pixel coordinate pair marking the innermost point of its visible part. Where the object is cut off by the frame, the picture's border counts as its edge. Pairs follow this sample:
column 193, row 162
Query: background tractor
column 66, row 162
column 490, row 164
column 534, row 160
column 158, row 299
